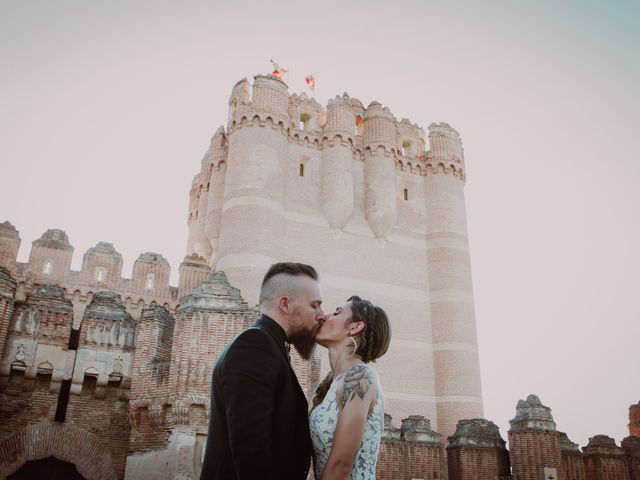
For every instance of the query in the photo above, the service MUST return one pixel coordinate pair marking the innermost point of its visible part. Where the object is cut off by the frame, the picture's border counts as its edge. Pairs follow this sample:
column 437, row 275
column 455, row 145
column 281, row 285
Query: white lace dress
column 322, row 423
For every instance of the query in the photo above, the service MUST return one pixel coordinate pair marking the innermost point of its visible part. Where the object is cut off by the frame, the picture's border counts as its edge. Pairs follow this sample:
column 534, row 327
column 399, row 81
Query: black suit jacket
column 258, row 427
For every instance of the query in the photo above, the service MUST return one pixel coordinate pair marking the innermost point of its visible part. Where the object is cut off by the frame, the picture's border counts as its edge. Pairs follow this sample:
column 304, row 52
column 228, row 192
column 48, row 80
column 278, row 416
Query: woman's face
column 335, row 326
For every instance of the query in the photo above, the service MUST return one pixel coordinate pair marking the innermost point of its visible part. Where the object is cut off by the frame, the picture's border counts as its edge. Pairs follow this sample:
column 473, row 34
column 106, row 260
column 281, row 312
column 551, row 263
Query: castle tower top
column 271, row 95
column 151, row 257
column 7, row 230
column 54, row 238
column 634, row 420
column 107, row 304
column 379, row 126
column 531, row 414
column 416, row 428
column 476, row 432
column 215, row 294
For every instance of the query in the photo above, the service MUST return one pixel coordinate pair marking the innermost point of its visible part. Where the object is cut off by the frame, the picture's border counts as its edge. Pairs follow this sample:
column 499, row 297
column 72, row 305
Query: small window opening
column 407, row 147
column 101, row 274
column 405, row 194
column 150, row 281
column 301, row 170
column 304, row 120
column 48, row 267
column 358, row 125
column 89, row 384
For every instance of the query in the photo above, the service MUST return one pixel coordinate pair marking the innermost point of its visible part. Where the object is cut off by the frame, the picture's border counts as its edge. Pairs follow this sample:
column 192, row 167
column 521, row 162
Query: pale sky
column 106, row 109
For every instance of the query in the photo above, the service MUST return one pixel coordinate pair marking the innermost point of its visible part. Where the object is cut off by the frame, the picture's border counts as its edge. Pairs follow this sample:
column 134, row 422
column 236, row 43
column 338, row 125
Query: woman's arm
column 355, row 397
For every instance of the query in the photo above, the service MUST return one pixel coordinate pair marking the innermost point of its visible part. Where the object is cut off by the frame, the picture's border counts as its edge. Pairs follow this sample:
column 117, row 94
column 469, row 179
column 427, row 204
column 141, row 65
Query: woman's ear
column 355, row 328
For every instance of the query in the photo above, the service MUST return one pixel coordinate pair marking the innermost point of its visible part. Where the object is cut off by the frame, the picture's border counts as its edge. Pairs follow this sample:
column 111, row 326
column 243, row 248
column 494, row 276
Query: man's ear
column 284, row 305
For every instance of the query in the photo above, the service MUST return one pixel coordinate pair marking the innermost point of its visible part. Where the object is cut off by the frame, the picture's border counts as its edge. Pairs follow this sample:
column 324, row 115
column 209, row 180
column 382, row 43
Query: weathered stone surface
column 531, row 414
column 476, row 432
column 214, row 294
column 54, row 238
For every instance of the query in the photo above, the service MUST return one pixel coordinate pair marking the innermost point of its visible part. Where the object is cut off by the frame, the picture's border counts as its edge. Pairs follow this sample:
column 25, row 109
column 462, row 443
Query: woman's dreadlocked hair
column 373, row 340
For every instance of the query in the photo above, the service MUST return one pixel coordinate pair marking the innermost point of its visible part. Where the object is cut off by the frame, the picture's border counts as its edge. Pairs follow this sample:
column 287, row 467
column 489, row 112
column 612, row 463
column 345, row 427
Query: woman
column 347, row 418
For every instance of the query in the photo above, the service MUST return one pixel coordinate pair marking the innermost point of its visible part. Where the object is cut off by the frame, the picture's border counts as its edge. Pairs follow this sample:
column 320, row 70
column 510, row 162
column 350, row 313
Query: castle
column 109, row 377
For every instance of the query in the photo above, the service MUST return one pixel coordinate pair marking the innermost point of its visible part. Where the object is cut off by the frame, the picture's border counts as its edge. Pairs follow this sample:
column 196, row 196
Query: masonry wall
column 532, row 451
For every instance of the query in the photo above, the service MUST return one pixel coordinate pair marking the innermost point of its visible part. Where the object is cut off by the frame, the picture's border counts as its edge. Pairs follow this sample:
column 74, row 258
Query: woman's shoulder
column 359, row 381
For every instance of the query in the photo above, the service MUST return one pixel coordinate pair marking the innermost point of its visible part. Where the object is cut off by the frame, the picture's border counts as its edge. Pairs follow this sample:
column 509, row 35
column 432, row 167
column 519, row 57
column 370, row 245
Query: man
column 258, row 428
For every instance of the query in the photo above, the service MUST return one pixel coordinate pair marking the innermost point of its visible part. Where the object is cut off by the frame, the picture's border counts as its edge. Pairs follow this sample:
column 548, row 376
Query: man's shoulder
column 252, row 341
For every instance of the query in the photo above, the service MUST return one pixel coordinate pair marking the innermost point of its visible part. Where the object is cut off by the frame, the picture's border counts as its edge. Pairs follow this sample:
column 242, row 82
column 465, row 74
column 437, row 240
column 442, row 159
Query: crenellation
column 9, row 245
column 306, row 114
column 270, row 95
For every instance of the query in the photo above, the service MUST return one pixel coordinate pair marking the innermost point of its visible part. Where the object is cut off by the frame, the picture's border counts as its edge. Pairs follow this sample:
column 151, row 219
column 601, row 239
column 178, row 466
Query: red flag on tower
column 310, row 80
column 278, row 71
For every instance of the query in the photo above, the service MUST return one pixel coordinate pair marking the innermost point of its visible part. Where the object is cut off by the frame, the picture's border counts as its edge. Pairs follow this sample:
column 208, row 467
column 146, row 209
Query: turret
column 107, row 339
column 151, row 362
column 39, row 337
column 197, row 242
column 445, row 152
column 337, row 192
column 455, row 343
column 51, row 256
column 634, row 420
column 206, row 321
column 7, row 294
column 215, row 189
column 379, row 140
column 271, row 97
column 193, row 271
column 476, row 451
column 255, row 185
column 604, row 460
column 151, row 273
column 239, row 99
column 413, row 451
column 102, row 266
column 9, row 245
column 534, row 442
column 571, row 458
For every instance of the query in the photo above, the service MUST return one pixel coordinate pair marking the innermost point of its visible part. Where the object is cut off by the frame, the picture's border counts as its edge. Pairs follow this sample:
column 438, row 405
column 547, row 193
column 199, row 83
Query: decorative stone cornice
column 7, row 230
column 603, row 445
column 531, row 414
column 107, row 304
column 215, row 294
column 54, row 238
column 476, row 432
column 416, row 428
column 152, row 257
column 567, row 445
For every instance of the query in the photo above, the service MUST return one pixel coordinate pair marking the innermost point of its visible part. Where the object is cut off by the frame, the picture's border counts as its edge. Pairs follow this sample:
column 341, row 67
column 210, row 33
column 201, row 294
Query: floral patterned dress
column 322, row 422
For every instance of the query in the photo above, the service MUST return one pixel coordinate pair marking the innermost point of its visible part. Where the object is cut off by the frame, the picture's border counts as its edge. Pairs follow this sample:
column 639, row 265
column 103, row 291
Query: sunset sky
column 106, row 109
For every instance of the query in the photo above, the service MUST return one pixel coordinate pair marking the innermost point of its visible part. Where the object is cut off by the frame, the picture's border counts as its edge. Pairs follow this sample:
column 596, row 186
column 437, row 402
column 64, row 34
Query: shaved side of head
column 280, row 285
column 280, row 280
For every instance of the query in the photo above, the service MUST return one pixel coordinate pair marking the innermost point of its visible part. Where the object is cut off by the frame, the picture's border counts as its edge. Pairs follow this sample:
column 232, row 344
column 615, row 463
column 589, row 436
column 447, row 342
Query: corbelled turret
column 215, row 187
column 337, row 158
column 379, row 171
column 446, row 149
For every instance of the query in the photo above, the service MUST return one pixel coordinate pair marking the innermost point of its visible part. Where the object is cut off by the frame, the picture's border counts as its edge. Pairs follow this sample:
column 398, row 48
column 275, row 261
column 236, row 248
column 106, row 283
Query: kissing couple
column 260, row 426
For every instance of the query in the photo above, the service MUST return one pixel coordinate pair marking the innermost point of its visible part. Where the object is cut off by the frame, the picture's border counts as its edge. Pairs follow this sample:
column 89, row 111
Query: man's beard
column 304, row 342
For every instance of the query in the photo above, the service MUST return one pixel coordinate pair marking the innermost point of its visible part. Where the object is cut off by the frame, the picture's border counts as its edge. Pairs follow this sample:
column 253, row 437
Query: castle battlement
column 50, row 262
column 307, row 123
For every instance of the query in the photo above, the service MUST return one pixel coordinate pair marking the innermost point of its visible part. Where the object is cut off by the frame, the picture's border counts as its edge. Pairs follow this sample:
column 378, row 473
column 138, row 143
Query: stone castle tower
column 352, row 191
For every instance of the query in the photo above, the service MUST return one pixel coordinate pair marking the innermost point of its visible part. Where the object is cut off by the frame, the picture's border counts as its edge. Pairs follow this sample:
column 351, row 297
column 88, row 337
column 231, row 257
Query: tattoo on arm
column 357, row 381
